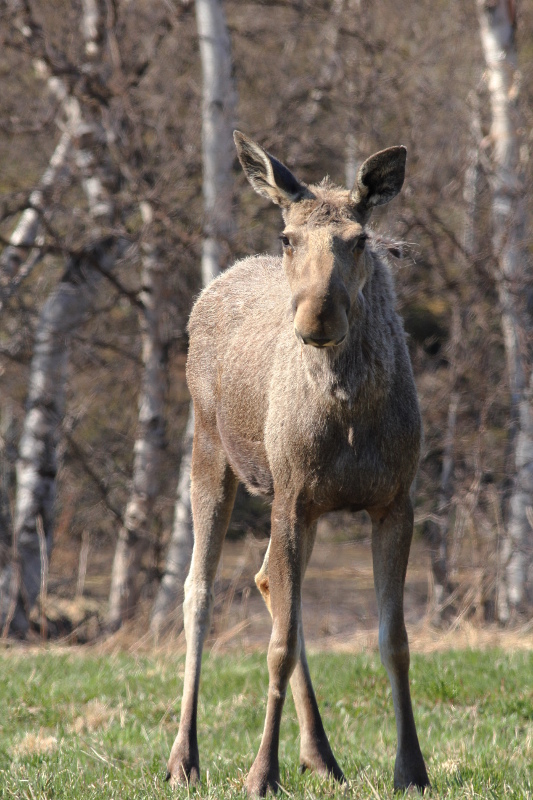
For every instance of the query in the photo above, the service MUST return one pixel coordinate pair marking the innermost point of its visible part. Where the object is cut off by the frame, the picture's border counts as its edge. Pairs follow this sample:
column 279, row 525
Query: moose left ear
column 379, row 179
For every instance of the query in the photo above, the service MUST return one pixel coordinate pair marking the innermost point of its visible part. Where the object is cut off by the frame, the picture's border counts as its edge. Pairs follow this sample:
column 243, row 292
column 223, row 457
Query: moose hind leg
column 391, row 540
column 213, row 487
column 315, row 751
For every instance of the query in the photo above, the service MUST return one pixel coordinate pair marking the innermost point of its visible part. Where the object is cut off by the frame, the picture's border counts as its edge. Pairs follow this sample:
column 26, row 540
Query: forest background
column 104, row 119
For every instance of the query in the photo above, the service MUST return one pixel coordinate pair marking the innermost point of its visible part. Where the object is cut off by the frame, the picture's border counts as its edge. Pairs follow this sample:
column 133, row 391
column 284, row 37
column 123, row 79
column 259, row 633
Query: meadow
column 81, row 724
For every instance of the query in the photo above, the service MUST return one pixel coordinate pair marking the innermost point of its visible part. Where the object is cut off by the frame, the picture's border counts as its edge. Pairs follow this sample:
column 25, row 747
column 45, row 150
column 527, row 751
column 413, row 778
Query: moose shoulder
column 303, row 390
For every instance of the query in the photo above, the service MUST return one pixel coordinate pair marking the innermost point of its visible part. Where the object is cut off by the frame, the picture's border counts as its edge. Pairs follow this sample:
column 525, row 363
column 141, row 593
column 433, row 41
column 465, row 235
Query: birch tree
column 15, row 263
column 133, row 537
column 218, row 113
column 498, row 28
column 37, row 464
column 437, row 527
column 63, row 312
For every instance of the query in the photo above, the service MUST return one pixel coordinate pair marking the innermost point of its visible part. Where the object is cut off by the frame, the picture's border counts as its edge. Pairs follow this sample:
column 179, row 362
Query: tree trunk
column 7, row 463
column 472, row 178
column 37, row 464
column 437, row 529
column 15, row 265
column 218, row 153
column 134, row 534
column 329, row 60
column 497, row 26
column 179, row 553
column 331, row 70
column 62, row 314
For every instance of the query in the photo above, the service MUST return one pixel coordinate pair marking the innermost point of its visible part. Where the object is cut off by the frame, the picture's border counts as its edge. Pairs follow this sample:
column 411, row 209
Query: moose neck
column 362, row 366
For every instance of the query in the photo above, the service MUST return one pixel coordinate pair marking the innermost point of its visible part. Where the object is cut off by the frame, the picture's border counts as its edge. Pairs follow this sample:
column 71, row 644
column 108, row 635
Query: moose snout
column 322, row 321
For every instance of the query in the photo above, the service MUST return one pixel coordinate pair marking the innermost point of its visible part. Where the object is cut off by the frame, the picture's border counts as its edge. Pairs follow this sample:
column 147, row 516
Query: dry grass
column 95, row 715
column 339, row 608
column 39, row 743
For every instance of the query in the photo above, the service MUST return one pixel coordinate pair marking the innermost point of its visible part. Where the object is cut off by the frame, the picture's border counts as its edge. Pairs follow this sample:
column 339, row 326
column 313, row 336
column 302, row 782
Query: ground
column 339, row 605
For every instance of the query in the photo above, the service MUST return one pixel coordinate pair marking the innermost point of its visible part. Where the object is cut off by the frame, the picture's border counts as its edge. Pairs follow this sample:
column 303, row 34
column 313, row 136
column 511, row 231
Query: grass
column 81, row 725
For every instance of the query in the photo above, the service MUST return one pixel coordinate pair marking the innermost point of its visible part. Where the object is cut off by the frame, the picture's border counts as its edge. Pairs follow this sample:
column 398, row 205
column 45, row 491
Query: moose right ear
column 268, row 176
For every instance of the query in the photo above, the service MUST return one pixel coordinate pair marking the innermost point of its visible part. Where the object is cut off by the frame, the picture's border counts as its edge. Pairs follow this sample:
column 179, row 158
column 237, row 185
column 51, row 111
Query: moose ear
column 379, row 179
column 268, row 176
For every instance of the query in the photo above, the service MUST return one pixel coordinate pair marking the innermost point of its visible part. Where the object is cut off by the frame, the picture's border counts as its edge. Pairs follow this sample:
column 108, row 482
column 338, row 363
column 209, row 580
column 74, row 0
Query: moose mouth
column 318, row 342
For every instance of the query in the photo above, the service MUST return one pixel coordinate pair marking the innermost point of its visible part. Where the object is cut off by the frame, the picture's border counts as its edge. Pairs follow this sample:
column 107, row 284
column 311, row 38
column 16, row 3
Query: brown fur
column 303, row 390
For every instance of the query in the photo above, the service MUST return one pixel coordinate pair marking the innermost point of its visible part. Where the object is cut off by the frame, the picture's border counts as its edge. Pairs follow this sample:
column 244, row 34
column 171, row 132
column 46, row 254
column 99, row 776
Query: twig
column 82, row 565
column 14, row 586
column 99, row 483
column 44, row 576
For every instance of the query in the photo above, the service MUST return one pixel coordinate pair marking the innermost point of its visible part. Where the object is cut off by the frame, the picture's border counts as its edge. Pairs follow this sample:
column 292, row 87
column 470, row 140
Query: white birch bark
column 15, row 265
column 166, row 606
column 497, row 27
column 6, row 474
column 134, row 534
column 472, row 177
column 90, row 28
column 63, row 312
column 37, row 464
column 218, row 154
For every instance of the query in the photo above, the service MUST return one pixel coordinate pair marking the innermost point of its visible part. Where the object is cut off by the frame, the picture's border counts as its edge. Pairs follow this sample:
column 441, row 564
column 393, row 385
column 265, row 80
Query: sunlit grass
column 77, row 725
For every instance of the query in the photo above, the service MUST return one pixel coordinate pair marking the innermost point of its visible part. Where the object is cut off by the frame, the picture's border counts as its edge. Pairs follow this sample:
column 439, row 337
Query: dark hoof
column 183, row 770
column 411, row 781
column 325, row 770
column 262, row 779
column 183, row 776
column 322, row 761
column 410, row 769
column 412, row 789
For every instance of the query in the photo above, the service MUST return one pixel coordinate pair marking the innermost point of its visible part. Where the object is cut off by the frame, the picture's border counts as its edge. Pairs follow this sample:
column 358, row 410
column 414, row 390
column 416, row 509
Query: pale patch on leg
column 262, row 581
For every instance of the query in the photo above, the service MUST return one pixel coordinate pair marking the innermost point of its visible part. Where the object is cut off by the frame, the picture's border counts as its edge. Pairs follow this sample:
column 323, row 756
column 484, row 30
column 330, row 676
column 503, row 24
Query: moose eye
column 359, row 244
column 284, row 240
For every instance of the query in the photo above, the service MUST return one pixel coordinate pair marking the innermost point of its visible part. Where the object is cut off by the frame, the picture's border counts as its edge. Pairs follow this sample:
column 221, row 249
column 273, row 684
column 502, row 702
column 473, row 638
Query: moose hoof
column 321, row 760
column 411, row 777
column 261, row 779
column 183, row 775
column 183, row 770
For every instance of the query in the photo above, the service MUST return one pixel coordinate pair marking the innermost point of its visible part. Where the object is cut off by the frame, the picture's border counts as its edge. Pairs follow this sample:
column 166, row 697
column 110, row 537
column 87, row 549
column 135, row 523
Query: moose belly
column 247, row 456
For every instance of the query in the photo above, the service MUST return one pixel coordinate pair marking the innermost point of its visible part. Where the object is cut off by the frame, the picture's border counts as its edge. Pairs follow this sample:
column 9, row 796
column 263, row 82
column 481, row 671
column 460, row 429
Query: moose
column 303, row 390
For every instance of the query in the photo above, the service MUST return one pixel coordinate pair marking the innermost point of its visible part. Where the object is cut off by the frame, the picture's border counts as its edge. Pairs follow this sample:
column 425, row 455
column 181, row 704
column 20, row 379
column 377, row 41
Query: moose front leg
column 286, row 565
column 315, row 751
column 392, row 532
column 213, row 487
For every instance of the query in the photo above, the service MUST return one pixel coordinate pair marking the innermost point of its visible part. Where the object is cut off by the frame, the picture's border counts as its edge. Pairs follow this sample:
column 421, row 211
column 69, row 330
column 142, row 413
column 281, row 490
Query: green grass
column 76, row 725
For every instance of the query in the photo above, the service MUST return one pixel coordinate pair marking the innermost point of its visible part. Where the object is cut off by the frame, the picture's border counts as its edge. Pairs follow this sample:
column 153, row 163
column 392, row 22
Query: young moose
column 303, row 390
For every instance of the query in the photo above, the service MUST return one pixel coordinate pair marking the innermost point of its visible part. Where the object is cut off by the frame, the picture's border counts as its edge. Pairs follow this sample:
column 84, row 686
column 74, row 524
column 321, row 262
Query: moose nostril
column 344, row 300
column 296, row 300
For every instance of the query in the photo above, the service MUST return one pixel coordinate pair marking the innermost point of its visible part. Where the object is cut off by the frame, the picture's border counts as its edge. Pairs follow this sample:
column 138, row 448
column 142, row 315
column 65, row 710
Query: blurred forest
column 119, row 223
